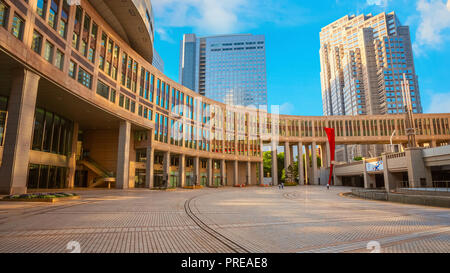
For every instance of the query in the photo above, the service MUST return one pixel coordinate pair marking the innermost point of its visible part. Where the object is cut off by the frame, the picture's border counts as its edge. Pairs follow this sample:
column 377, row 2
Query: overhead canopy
column 132, row 20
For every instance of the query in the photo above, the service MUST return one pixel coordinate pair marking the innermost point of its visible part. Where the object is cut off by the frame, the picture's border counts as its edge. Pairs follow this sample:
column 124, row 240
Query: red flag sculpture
column 330, row 134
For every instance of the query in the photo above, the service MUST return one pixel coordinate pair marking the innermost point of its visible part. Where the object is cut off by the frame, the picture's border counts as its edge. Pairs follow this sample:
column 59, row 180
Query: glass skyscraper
column 364, row 61
column 229, row 68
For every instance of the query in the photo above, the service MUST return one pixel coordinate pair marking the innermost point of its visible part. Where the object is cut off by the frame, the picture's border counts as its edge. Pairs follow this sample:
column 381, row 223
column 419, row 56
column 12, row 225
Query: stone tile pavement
column 296, row 219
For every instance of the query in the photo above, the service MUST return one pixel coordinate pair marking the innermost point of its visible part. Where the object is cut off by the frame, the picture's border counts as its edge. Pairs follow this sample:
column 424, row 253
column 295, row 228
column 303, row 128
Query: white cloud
column 433, row 23
column 382, row 3
column 439, row 103
column 223, row 17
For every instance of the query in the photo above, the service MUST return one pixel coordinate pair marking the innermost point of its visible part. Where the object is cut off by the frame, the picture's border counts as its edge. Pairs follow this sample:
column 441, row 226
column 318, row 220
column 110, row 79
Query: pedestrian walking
column 328, row 186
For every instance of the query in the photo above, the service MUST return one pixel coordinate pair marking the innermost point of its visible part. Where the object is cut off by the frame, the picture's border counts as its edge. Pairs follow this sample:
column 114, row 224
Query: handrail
column 395, row 155
column 435, row 186
column 98, row 166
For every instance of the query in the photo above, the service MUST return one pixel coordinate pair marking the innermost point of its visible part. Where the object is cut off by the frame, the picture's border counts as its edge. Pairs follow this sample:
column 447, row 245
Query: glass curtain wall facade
column 363, row 62
column 230, row 69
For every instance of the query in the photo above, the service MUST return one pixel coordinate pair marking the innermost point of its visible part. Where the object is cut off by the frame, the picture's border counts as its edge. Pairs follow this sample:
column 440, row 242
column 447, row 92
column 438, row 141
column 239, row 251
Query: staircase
column 104, row 176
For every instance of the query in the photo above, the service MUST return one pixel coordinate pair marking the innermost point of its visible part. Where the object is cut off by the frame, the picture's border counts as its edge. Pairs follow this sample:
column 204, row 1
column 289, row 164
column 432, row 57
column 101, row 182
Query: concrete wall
column 356, row 168
column 426, row 200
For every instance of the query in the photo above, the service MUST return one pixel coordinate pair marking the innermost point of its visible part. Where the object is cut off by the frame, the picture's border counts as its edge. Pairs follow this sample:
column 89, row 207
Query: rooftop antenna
column 409, row 120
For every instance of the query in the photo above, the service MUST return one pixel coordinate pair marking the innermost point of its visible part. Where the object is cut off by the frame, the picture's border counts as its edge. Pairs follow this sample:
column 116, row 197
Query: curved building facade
column 82, row 106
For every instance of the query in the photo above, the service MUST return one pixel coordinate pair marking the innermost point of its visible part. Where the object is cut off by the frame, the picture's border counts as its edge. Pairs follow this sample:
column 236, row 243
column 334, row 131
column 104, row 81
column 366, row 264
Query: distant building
column 158, row 61
column 229, row 68
column 363, row 59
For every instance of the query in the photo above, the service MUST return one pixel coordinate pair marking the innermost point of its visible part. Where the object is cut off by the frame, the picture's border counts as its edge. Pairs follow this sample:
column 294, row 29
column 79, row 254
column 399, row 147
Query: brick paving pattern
column 296, row 219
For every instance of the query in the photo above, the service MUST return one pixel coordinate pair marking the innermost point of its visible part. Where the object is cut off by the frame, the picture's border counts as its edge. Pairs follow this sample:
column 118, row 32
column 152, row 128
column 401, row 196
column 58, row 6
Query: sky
column 291, row 29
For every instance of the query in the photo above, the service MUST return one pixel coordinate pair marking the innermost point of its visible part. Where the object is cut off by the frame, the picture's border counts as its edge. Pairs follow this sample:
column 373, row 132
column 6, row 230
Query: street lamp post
column 392, row 146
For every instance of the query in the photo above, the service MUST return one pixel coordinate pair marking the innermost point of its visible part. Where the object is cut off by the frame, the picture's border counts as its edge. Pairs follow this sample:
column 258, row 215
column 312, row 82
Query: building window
column 112, row 97
column 64, row 19
column 46, row 177
column 52, row 133
column 77, row 27
column 18, row 25
column 53, row 14
column 84, row 78
column 72, row 69
column 36, row 45
column 121, row 100
column 59, row 61
column 48, row 51
column 103, row 90
column 41, row 8
column 4, row 9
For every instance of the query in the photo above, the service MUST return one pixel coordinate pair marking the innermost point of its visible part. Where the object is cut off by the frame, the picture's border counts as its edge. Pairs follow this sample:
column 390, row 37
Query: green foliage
column 267, row 162
column 358, row 158
column 39, row 195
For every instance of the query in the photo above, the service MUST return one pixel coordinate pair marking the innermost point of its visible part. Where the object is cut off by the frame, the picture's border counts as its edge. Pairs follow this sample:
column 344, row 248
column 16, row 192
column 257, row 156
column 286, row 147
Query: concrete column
column 196, row 170
column 123, row 155
column 345, row 153
column 418, row 173
column 149, row 167
column 307, row 166
column 369, row 181
column 300, row 164
column 287, row 156
column 291, row 152
column 72, row 159
column 337, row 180
column 274, row 164
column 261, row 172
column 210, row 172
column 166, row 168
column 223, row 172
column 182, row 170
column 16, row 149
column 249, row 173
column 314, row 175
column 390, row 181
column 236, row 172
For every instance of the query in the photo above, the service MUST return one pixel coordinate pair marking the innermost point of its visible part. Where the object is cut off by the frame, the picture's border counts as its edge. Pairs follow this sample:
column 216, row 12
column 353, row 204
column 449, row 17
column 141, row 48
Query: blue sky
column 292, row 41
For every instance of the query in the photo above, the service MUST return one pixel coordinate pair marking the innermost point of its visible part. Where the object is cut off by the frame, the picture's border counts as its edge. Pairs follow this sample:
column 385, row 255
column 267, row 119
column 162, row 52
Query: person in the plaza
column 328, row 186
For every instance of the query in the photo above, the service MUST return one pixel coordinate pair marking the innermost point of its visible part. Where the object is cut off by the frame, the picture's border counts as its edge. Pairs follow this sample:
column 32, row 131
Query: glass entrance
column 173, row 181
column 204, row 180
column 158, row 181
column 139, row 179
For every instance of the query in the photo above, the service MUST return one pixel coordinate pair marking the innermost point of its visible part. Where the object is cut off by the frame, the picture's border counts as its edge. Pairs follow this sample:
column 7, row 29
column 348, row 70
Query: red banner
column 331, row 141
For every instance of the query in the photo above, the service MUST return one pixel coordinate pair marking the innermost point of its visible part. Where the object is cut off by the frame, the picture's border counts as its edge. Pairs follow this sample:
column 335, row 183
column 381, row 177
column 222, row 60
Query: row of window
column 145, row 112
column 52, row 133
column 84, row 38
column 127, row 103
column 106, row 92
column 58, row 9
column 46, row 177
column 54, row 57
column 109, row 56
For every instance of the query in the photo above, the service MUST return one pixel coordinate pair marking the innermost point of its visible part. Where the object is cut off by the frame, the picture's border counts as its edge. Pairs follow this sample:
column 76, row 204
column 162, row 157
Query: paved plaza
column 254, row 219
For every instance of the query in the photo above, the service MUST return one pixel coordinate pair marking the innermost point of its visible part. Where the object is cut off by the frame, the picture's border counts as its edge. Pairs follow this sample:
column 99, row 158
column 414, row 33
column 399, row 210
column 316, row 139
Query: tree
column 280, row 163
column 267, row 162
